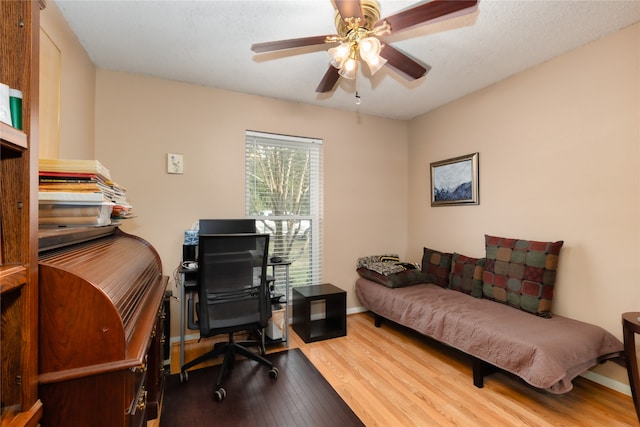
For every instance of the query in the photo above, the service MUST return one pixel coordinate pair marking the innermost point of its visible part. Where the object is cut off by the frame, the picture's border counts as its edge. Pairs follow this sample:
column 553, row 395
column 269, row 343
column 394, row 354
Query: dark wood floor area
column 299, row 397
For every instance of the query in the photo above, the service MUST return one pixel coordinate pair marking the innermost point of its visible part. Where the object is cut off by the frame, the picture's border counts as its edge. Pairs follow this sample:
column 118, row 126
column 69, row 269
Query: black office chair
column 233, row 296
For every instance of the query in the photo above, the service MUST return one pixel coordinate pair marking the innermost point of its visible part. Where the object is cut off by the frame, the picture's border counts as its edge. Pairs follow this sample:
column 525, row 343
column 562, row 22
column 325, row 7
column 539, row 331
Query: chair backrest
column 233, row 294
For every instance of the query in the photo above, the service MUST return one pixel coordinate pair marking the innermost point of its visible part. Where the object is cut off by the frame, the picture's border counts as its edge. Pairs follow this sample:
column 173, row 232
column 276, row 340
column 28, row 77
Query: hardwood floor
column 391, row 376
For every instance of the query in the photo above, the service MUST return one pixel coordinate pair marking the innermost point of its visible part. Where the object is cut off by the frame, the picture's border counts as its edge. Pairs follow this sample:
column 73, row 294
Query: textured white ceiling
column 208, row 43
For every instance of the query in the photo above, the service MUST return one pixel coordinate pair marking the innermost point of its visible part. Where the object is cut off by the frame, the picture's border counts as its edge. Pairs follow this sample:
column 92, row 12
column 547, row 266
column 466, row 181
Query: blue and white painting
column 453, row 182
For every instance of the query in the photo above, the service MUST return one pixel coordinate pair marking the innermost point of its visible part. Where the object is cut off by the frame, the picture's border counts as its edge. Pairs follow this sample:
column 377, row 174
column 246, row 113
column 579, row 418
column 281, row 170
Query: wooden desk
column 101, row 330
column 631, row 327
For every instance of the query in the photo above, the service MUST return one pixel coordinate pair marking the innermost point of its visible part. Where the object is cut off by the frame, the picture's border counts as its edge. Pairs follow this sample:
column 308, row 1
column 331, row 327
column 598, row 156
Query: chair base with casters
column 230, row 349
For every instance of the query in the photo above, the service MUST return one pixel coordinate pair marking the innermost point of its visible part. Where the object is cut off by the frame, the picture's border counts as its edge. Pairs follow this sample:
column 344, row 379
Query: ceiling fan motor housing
column 370, row 14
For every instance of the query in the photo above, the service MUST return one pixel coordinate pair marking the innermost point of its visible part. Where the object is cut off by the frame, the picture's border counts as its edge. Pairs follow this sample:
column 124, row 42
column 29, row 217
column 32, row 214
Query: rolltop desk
column 101, row 331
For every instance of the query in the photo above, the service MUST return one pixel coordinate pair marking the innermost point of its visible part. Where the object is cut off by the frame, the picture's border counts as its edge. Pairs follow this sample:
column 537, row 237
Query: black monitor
column 227, row 226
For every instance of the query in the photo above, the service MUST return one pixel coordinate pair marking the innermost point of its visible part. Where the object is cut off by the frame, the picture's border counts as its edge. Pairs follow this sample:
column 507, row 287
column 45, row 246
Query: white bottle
column 5, row 108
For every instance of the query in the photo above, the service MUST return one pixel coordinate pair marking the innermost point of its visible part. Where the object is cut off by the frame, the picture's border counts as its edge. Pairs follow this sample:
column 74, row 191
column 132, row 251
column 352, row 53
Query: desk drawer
column 137, row 395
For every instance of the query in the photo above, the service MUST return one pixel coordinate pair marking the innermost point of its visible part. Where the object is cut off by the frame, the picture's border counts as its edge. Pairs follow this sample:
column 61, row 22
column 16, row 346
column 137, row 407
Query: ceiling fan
column 361, row 35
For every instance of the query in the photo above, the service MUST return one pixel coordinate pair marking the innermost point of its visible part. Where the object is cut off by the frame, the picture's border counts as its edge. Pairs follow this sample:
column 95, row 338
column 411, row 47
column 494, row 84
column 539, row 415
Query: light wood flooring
column 391, row 376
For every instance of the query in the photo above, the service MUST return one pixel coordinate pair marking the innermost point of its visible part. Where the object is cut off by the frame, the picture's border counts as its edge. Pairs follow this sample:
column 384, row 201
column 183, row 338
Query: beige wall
column 140, row 119
column 559, row 160
column 559, row 149
column 77, row 87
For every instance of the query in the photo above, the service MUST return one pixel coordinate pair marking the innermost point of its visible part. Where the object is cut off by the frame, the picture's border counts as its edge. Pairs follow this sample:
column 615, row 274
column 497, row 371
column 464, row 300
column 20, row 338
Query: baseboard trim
column 607, row 382
column 355, row 310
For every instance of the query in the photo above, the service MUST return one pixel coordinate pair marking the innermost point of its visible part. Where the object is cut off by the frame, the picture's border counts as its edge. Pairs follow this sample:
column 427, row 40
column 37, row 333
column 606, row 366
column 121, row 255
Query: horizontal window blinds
column 284, row 196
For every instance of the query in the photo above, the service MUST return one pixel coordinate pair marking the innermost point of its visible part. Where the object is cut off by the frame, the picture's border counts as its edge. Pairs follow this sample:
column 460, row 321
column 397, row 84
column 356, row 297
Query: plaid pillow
column 521, row 273
column 466, row 275
column 436, row 266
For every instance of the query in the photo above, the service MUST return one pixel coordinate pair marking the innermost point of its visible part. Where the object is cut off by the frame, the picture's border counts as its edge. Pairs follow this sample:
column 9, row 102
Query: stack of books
column 79, row 193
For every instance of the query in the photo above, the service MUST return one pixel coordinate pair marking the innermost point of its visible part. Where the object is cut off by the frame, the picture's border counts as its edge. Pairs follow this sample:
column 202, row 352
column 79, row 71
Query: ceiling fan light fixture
column 339, row 54
column 370, row 48
column 349, row 69
column 375, row 63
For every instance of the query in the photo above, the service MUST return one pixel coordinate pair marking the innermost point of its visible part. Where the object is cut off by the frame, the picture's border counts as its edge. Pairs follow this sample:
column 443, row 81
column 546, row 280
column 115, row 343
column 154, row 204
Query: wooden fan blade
column 287, row 44
column 428, row 12
column 349, row 8
column 400, row 62
column 329, row 80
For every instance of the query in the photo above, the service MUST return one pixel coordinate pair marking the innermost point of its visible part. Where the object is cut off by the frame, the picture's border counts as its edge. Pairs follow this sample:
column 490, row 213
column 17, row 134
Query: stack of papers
column 69, row 214
column 79, row 193
column 74, row 166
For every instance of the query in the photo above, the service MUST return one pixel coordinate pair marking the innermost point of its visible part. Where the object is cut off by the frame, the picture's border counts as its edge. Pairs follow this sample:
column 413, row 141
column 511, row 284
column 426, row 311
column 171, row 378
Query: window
column 284, row 196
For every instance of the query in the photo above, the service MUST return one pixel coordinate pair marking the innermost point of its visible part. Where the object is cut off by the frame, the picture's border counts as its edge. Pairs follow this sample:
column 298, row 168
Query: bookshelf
column 19, row 41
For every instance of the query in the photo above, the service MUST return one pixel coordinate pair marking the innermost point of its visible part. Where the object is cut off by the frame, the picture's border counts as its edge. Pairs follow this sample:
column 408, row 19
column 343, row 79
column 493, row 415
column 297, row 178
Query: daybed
column 487, row 308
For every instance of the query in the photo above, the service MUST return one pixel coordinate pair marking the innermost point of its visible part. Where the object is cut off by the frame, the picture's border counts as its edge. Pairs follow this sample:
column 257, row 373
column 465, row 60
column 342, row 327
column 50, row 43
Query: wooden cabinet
column 80, row 343
column 331, row 324
column 101, row 330
column 19, row 35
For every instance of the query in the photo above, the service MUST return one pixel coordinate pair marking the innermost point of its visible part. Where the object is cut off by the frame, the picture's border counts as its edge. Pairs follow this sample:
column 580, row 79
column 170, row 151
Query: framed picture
column 455, row 181
column 175, row 163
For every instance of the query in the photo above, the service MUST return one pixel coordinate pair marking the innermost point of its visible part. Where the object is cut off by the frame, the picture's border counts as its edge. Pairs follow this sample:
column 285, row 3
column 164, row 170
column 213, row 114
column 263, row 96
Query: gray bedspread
column 546, row 353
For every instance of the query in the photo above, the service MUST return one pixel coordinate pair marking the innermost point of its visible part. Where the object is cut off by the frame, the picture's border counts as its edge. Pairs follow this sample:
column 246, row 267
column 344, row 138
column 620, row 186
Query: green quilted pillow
column 436, row 266
column 466, row 275
column 521, row 273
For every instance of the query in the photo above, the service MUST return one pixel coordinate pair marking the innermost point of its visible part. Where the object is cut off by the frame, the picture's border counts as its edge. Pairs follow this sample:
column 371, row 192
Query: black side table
column 334, row 322
column 631, row 327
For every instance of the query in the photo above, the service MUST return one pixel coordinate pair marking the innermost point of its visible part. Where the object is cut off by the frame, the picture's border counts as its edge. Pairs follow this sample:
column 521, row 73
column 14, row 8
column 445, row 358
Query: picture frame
column 455, row 181
column 175, row 163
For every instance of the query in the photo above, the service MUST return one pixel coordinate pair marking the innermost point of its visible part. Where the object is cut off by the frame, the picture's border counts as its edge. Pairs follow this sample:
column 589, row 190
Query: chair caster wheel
column 184, row 377
column 273, row 373
column 219, row 394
